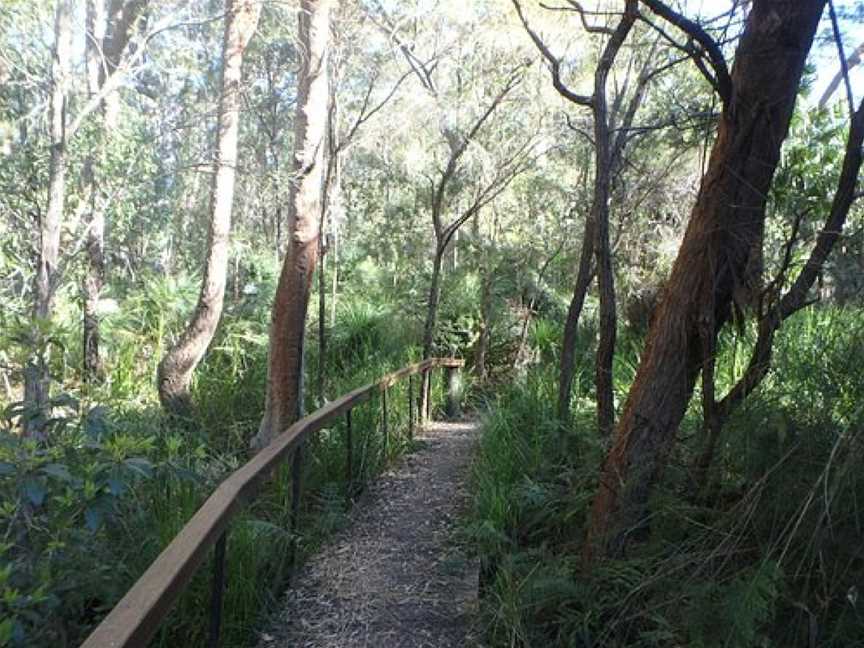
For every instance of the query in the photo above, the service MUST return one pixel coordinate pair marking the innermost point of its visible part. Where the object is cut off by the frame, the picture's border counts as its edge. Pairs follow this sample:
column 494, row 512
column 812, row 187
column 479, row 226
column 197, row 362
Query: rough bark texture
column 37, row 378
column 284, row 403
column 790, row 303
column 176, row 368
column 727, row 219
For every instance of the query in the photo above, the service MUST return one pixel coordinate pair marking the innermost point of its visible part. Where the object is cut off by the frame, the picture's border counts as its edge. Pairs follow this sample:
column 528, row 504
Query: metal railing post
column 349, row 445
column 384, row 427
column 217, row 591
column 452, row 392
column 296, row 483
column 410, row 408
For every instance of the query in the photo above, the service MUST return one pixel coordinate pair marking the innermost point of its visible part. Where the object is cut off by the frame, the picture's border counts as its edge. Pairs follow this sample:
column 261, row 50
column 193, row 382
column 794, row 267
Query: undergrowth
column 85, row 514
column 770, row 555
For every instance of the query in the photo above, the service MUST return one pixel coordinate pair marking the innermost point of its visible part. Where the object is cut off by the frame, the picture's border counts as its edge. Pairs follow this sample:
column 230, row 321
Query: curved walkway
column 395, row 577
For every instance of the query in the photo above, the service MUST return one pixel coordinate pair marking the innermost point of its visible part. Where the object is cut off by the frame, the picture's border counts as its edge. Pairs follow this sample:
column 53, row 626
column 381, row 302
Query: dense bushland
column 83, row 516
column 767, row 554
column 440, row 195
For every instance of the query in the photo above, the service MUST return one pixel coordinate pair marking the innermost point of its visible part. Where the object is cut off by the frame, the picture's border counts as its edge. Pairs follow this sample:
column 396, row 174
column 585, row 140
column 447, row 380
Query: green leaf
column 7, row 625
column 35, row 491
column 58, row 471
column 140, row 465
column 93, row 519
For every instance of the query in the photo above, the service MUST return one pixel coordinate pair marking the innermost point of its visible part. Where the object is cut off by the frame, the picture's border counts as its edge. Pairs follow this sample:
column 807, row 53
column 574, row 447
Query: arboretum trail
column 395, row 576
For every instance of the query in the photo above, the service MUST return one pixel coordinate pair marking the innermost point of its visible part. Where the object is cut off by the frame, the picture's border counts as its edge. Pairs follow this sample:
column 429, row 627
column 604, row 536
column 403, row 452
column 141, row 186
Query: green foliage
column 84, row 516
column 770, row 556
column 64, row 521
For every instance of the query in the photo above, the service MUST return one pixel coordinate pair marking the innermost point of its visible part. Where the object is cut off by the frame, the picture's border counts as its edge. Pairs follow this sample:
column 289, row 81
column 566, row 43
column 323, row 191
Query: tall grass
column 771, row 558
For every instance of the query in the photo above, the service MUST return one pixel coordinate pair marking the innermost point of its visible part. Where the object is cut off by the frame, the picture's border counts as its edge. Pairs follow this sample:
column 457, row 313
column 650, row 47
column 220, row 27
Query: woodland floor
column 396, row 575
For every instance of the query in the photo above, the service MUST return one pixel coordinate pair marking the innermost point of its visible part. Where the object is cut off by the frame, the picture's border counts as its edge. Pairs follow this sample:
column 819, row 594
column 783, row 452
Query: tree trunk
column 329, row 198
column 94, row 276
column 603, row 167
column 432, row 303
column 174, row 375
column 727, row 219
column 284, row 403
column 102, row 57
column 571, row 326
column 322, row 315
column 37, row 377
column 335, row 277
column 790, row 303
column 482, row 347
column 605, row 279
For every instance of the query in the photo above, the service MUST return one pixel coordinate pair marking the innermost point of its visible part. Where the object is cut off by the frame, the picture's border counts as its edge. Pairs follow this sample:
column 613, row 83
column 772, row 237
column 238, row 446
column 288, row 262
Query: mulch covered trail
column 395, row 576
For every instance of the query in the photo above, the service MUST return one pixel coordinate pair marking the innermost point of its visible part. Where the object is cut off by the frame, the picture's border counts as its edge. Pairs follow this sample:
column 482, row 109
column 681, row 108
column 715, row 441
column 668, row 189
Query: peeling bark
column 726, row 222
column 284, row 403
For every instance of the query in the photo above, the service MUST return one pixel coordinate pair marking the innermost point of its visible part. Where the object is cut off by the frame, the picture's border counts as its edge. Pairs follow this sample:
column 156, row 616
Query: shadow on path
column 394, row 576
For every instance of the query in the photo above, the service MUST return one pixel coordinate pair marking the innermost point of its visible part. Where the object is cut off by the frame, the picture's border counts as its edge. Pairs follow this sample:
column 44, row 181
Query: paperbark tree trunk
column 284, row 400
column 37, row 378
column 175, row 371
column 726, row 222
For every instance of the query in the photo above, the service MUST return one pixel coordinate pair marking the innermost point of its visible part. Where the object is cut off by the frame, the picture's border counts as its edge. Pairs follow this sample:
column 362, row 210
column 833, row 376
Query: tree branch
column 554, row 63
column 698, row 34
column 795, row 298
column 844, row 68
column 459, row 149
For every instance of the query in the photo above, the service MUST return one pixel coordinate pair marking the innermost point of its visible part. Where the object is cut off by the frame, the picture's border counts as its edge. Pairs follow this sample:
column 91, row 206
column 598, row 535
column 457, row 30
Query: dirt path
column 394, row 577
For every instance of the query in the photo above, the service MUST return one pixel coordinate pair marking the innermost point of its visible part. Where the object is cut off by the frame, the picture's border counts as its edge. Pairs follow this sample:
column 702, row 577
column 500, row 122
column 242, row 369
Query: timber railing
column 138, row 615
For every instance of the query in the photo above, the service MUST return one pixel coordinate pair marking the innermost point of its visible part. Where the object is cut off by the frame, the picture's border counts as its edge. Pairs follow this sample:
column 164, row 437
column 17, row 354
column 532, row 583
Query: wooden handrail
column 136, row 617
